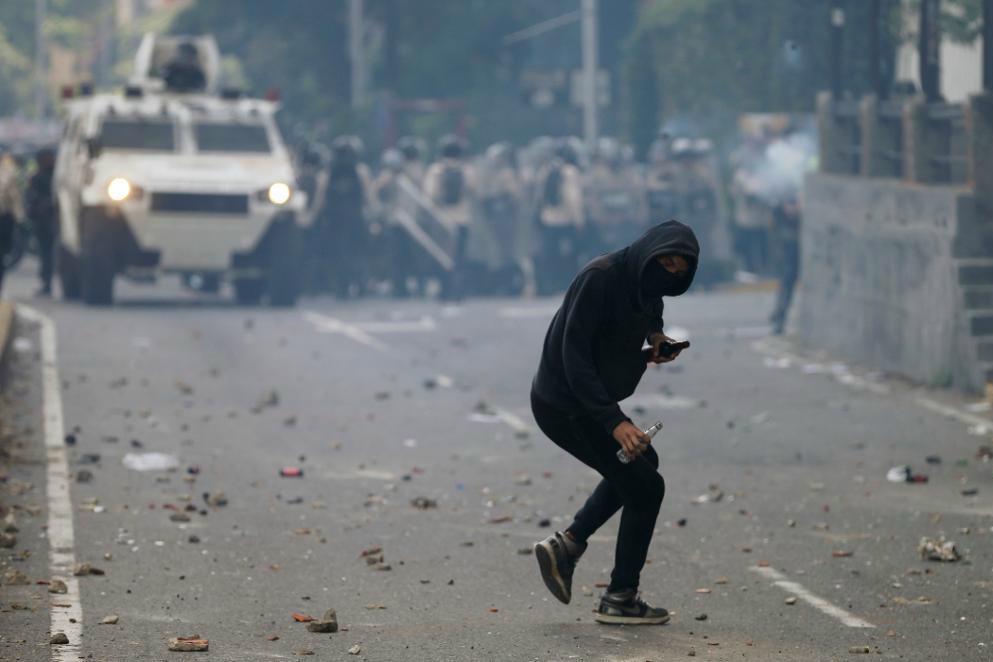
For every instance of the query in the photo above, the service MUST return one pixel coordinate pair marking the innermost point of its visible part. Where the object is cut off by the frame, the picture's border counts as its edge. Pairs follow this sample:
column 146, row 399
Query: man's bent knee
column 656, row 490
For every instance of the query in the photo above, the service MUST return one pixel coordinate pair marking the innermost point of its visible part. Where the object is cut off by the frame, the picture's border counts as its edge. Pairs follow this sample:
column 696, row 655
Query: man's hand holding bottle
column 632, row 440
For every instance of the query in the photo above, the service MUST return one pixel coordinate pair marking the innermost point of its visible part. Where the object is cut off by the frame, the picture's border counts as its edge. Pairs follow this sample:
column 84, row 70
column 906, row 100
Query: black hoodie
column 592, row 356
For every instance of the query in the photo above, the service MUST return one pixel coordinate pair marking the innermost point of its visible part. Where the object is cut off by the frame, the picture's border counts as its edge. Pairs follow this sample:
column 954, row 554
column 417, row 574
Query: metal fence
column 947, row 143
column 940, row 157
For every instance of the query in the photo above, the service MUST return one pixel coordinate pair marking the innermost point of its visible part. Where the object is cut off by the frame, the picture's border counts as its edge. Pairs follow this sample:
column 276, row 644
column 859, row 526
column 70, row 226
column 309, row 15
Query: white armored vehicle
column 172, row 176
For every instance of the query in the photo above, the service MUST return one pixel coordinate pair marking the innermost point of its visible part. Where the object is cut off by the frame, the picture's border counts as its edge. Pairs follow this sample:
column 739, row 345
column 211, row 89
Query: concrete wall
column 882, row 262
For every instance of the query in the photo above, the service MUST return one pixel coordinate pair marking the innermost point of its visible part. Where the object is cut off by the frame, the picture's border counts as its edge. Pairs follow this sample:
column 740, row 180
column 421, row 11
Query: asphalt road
column 775, row 459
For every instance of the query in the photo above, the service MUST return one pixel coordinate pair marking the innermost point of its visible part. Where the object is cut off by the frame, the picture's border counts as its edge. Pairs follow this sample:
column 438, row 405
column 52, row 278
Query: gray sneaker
column 627, row 608
column 557, row 564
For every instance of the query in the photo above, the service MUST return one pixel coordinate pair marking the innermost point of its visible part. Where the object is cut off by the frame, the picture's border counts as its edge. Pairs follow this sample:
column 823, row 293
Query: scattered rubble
column 327, row 623
column 938, row 549
column 714, row 495
column 84, row 569
column 215, row 500
column 423, row 503
column 13, row 577
column 904, row 474
column 192, row 644
column 110, row 619
column 57, row 586
column 266, row 401
column 58, row 639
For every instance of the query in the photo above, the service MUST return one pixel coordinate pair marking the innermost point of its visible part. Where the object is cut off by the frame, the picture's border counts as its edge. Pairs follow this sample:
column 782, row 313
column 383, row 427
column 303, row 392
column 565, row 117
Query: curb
column 6, row 327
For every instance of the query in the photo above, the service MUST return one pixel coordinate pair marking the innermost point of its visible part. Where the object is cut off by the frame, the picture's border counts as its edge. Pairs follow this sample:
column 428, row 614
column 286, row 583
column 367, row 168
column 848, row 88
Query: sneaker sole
column 631, row 620
column 550, row 573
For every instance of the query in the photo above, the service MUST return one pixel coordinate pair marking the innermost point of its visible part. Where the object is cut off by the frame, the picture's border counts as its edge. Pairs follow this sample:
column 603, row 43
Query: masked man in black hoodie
column 593, row 358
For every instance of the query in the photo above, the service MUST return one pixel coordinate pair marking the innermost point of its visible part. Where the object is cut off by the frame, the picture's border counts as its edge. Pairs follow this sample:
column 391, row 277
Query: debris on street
column 150, row 462
column 59, row 638
column 938, row 549
column 327, row 623
column 194, row 644
column 84, row 569
column 14, row 577
column 904, row 474
column 423, row 503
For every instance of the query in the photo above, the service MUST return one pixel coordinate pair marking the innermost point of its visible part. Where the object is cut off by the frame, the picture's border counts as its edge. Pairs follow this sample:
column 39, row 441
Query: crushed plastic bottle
column 624, row 458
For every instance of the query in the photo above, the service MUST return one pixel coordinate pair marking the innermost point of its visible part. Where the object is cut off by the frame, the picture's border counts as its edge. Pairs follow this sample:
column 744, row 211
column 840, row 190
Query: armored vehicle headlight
column 118, row 189
column 279, row 193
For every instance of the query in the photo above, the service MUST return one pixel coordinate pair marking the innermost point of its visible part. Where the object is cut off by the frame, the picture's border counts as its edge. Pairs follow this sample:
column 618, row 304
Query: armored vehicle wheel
column 98, row 261
column 284, row 266
column 248, row 291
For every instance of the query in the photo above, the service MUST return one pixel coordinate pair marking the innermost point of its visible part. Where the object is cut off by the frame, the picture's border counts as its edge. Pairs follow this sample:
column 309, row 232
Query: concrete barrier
column 898, row 276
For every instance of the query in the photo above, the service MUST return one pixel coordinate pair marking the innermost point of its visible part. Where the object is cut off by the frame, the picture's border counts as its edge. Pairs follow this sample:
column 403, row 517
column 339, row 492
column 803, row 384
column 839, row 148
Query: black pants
column 7, row 222
column 637, row 487
column 454, row 285
column 789, row 272
column 44, row 232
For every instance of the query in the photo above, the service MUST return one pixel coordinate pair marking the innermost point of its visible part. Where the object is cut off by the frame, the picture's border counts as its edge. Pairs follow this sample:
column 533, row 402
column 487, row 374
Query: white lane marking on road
column 326, row 324
column 778, row 579
column 400, row 326
column 61, row 539
column 952, row 412
column 527, row 312
column 777, row 357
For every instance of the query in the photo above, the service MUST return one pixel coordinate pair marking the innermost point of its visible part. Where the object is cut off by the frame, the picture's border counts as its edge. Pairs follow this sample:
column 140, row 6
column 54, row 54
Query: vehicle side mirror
column 93, row 147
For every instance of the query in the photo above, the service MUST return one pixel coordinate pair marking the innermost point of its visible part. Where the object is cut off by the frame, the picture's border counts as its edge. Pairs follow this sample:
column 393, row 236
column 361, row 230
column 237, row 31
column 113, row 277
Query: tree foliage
column 711, row 60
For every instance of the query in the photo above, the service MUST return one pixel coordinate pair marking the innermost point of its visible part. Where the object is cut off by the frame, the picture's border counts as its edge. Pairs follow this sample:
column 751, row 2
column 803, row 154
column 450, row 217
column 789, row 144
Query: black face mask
column 657, row 281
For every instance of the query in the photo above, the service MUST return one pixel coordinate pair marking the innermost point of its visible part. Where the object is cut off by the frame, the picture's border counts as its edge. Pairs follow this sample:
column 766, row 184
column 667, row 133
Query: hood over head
column 668, row 238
